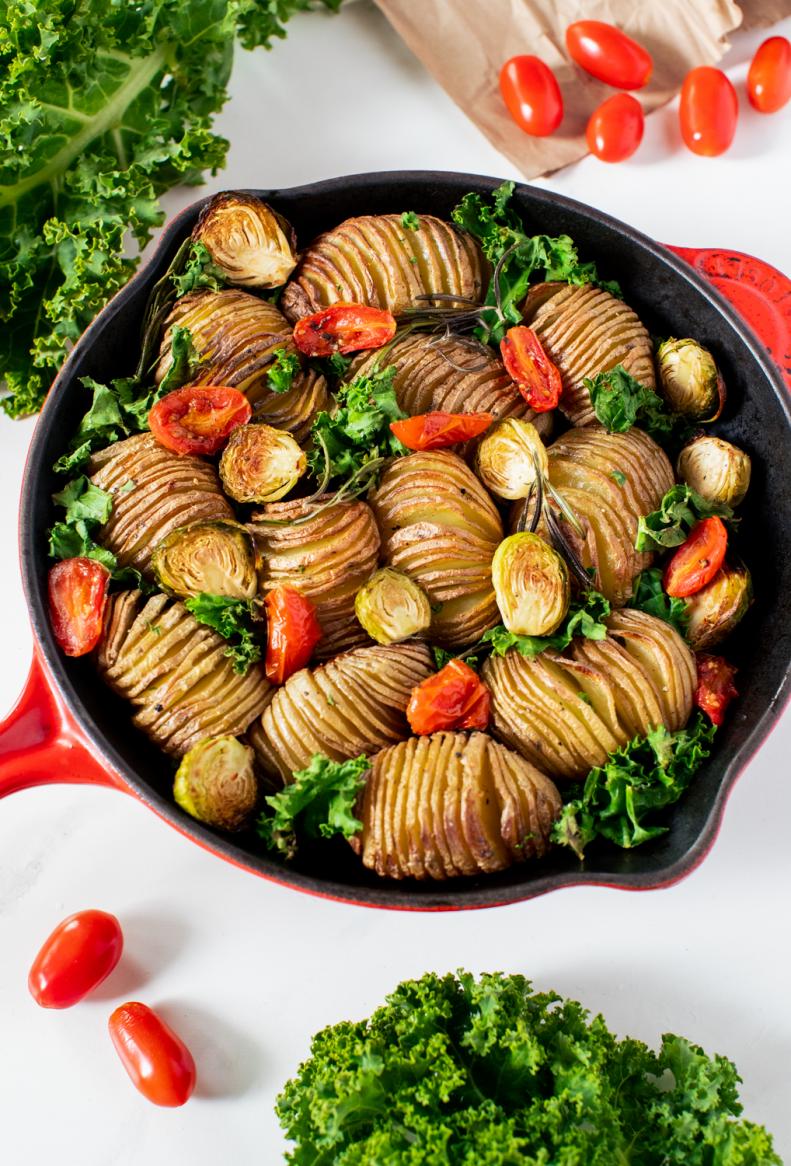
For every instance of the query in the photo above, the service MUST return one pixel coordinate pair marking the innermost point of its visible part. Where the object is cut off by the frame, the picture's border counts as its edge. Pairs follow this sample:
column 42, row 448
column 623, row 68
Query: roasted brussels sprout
column 261, row 464
column 531, row 583
column 719, row 471
column 691, row 383
column 509, row 457
column 253, row 246
column 392, row 607
column 216, row 783
column 217, row 558
column 715, row 610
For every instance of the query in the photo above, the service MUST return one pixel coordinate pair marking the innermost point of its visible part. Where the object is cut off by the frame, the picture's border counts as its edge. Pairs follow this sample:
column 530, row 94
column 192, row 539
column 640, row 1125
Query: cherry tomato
column 769, row 78
column 77, row 956
column 437, row 430
column 77, row 599
column 158, row 1062
column 198, row 419
column 615, row 129
column 534, row 374
column 715, row 688
column 608, row 54
column 453, row 698
column 293, row 630
column 344, row 328
column 532, row 95
column 708, row 111
column 697, row 560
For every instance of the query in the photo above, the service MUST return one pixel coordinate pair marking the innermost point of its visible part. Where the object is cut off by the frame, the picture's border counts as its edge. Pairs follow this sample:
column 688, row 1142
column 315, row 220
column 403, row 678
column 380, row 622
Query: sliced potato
column 296, row 409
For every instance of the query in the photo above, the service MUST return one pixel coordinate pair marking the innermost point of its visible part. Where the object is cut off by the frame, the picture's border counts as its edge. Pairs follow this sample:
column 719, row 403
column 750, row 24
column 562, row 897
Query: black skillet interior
column 672, row 300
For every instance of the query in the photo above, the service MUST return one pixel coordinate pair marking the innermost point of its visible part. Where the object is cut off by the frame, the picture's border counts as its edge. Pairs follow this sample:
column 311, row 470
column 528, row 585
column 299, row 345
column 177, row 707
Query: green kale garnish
column 410, row 221
column 86, row 508
column 585, row 617
column 352, row 442
column 232, row 619
column 649, row 595
column 443, row 657
column 620, row 401
column 317, row 803
column 680, row 509
column 281, row 372
column 197, row 271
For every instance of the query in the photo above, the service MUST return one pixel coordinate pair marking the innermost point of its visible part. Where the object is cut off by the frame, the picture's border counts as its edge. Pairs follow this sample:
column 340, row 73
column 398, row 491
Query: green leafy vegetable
column 410, row 221
column 352, row 442
column 443, row 657
column 620, row 797
column 458, row 1071
column 620, row 401
column 318, row 803
column 232, row 619
column 650, row 596
column 585, row 617
column 678, row 512
column 196, row 271
column 87, row 507
column 280, row 374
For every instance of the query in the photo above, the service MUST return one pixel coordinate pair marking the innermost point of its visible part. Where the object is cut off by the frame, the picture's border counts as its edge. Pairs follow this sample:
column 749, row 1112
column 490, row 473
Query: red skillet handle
column 759, row 292
column 39, row 744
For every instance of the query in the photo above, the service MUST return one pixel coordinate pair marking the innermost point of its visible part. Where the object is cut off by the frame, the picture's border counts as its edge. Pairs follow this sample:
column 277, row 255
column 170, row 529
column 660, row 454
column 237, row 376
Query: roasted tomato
column 293, row 631
column 708, row 111
column 715, row 688
column 697, row 560
column 437, row 430
column 453, row 698
column 198, row 419
column 343, row 328
column 615, row 129
column 531, row 95
column 608, row 54
column 76, row 957
column 534, row 374
column 158, row 1062
column 77, row 599
column 769, row 78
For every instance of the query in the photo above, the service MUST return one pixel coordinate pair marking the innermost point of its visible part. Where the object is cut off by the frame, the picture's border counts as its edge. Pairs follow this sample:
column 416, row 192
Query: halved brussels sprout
column 719, row 471
column 691, row 382
column 715, row 610
column 392, row 607
column 217, row 558
column 508, row 456
column 216, row 783
column 261, row 464
column 531, row 583
column 247, row 240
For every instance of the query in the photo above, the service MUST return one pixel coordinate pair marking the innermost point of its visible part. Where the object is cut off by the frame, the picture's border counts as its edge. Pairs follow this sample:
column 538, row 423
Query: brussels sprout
column 253, row 246
column 508, row 456
column 392, row 607
column 691, row 382
column 719, row 471
column 216, row 782
column 531, row 583
column 217, row 558
column 261, row 464
column 714, row 611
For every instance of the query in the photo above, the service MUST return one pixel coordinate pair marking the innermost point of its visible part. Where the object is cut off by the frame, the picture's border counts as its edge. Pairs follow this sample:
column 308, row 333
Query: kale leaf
column 650, row 596
column 585, row 617
column 620, row 401
column 318, row 802
column 197, row 271
column 281, row 372
column 232, row 619
column 357, row 436
column 680, row 509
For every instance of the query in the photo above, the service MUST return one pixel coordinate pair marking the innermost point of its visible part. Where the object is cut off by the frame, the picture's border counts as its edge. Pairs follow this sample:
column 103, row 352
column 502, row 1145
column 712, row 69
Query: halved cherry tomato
column 697, row 560
column 77, row 599
column 198, row 419
column 608, row 54
column 75, row 958
column 532, row 95
column 715, row 688
column 437, row 430
column 708, row 111
column 615, row 129
column 158, row 1062
column 344, row 328
column 453, row 698
column 769, row 78
column 534, row 374
column 293, row 630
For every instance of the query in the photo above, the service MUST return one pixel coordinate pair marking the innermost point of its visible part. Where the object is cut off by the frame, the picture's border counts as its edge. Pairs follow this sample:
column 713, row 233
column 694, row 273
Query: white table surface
column 246, row 970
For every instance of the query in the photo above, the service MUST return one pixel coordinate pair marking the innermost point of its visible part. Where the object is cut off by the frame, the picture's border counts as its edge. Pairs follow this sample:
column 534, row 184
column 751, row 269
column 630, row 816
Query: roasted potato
column 295, row 409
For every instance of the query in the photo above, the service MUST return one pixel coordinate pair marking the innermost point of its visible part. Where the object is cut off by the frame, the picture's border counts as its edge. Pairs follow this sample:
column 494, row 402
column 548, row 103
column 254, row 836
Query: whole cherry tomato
column 534, row 374
column 715, row 688
column 453, row 698
column 77, row 599
column 532, row 95
column 344, row 328
column 769, row 78
column 608, row 54
column 293, row 630
column 76, row 957
column 198, row 419
column 697, row 560
column 158, row 1062
column 615, row 129
column 437, row 430
column 708, row 111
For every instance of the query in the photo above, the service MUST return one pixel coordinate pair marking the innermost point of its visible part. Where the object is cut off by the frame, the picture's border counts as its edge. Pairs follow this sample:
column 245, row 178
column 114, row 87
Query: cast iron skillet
column 672, row 299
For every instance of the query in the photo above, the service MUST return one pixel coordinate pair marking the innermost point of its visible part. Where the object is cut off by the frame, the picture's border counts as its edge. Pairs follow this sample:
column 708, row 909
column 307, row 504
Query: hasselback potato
column 295, row 409
column 452, row 804
column 354, row 704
